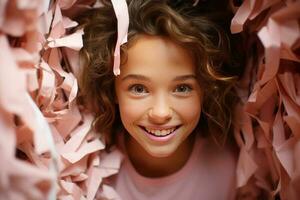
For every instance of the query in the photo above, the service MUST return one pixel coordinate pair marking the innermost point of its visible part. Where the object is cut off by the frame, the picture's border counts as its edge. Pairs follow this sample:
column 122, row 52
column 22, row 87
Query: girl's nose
column 161, row 111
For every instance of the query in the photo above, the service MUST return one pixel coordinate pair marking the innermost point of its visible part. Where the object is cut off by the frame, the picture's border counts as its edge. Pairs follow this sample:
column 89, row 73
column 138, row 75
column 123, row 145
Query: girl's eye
column 138, row 89
column 183, row 88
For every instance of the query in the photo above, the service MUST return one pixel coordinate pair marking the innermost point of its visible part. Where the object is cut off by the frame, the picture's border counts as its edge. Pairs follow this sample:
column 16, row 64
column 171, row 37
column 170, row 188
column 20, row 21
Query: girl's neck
column 150, row 166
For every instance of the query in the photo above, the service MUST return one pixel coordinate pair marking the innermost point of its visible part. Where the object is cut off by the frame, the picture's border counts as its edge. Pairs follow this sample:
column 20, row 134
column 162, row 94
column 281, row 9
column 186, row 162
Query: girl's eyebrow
column 185, row 77
column 136, row 76
column 145, row 78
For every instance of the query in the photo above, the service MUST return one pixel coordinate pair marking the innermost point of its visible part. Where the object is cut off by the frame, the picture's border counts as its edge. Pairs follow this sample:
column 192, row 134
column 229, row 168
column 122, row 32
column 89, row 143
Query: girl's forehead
column 148, row 42
column 157, row 52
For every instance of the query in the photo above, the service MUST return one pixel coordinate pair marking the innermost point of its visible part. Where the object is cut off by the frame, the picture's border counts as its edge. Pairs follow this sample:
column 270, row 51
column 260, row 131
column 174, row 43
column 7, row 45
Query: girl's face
column 158, row 95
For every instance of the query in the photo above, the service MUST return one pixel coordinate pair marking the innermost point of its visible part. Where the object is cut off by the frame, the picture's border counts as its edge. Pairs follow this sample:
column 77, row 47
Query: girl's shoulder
column 219, row 164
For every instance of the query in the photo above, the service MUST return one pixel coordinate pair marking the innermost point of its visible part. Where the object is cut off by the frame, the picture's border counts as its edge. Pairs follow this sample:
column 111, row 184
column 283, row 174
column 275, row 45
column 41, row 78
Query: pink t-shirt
column 209, row 174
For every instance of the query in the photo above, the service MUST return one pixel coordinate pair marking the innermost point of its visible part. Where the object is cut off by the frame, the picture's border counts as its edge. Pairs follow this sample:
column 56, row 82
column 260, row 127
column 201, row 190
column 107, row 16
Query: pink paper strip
column 121, row 11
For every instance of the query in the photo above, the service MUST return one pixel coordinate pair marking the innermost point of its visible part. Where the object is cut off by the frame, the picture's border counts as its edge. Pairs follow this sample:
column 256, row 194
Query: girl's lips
column 160, row 138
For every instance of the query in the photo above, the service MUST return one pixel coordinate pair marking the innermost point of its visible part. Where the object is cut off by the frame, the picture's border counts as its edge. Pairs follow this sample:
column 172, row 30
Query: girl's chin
column 160, row 152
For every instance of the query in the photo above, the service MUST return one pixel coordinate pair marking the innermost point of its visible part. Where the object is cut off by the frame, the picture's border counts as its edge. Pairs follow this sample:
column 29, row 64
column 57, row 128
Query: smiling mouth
column 160, row 133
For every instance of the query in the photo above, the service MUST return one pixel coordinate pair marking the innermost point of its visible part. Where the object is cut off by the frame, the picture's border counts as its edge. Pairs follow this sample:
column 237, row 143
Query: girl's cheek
column 131, row 108
column 189, row 109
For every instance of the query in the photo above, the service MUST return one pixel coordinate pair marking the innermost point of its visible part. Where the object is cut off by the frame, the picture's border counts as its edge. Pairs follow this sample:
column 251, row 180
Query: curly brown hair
column 192, row 27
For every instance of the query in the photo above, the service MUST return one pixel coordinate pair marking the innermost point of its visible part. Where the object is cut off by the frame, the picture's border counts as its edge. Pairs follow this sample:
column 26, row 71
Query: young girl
column 170, row 109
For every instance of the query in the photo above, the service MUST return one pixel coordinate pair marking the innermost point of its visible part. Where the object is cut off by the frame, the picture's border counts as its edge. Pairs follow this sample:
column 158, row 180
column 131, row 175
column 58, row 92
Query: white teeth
column 163, row 132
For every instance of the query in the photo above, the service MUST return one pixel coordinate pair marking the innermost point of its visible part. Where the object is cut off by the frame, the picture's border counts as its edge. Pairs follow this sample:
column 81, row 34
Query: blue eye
column 183, row 88
column 138, row 89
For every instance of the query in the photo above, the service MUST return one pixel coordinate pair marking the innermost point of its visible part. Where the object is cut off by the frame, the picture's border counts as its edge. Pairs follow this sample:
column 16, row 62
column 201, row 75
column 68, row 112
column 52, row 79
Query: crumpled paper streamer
column 268, row 132
column 20, row 120
column 48, row 146
column 48, row 149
